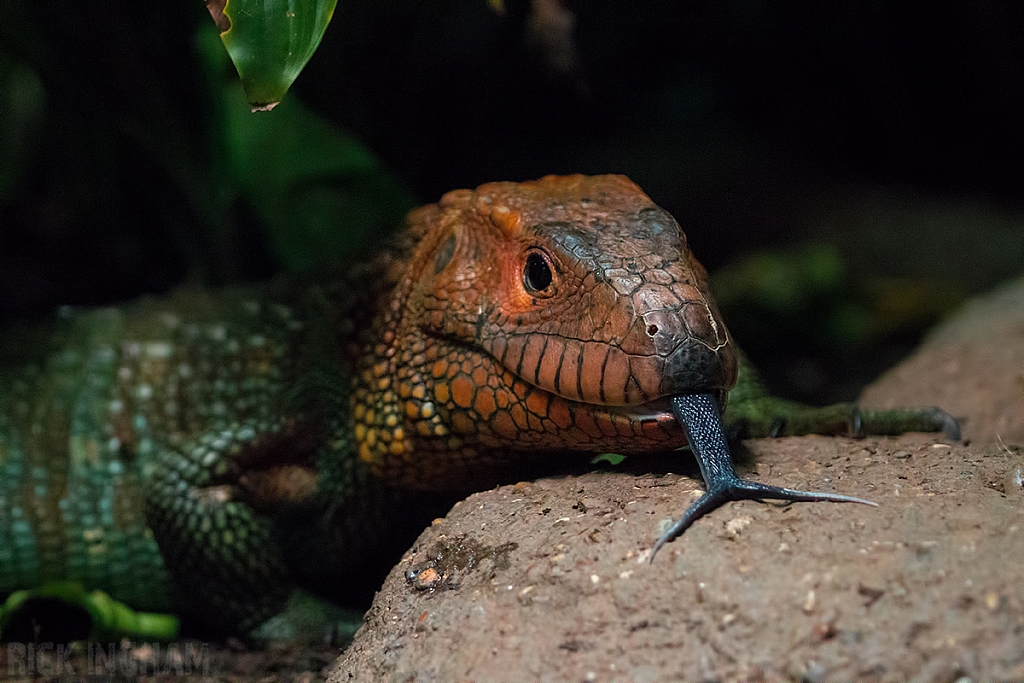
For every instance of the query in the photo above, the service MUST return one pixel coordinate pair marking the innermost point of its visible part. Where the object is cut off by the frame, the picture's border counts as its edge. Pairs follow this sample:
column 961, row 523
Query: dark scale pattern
column 218, row 550
column 200, row 397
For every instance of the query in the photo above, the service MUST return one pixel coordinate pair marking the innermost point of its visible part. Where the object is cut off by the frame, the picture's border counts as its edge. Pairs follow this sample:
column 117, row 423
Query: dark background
column 883, row 139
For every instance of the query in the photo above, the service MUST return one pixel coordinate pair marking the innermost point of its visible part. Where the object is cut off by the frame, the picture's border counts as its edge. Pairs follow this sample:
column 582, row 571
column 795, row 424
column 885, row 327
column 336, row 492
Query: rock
column 972, row 366
column 532, row 585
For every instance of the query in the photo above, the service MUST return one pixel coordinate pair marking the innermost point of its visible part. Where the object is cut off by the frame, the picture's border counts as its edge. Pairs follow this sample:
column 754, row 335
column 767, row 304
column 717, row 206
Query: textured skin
column 191, row 455
column 207, row 453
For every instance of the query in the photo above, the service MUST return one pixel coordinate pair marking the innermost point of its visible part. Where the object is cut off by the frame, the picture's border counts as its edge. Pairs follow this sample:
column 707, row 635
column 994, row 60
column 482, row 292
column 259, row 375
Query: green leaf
column 108, row 618
column 613, row 459
column 318, row 190
column 270, row 41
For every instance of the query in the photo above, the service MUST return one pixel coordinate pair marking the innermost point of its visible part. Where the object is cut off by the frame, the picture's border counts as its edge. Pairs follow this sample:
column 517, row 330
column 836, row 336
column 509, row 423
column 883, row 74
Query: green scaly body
column 150, row 453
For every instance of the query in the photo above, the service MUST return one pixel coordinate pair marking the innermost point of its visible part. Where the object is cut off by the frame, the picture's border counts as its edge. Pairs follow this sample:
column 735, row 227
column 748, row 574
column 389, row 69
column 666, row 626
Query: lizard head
column 549, row 315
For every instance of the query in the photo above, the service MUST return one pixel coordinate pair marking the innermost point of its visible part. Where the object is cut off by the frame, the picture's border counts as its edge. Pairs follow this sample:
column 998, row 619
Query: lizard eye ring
column 537, row 272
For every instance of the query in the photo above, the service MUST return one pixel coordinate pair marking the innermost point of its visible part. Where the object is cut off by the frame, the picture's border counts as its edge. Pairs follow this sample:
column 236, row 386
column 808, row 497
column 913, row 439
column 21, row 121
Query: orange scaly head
column 553, row 315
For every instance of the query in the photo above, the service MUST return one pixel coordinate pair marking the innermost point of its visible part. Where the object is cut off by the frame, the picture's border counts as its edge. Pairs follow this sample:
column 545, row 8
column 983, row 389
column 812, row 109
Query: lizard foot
column 309, row 621
column 699, row 416
column 899, row 420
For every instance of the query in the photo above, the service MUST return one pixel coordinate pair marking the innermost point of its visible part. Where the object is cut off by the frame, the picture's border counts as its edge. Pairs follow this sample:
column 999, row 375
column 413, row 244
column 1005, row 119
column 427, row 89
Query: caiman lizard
column 208, row 453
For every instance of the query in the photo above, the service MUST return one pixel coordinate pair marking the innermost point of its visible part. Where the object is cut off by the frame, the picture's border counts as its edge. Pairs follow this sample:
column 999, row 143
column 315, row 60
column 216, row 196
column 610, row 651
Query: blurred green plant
column 809, row 284
column 799, row 311
column 613, row 459
column 317, row 190
column 129, row 162
column 781, row 280
column 270, row 41
column 22, row 108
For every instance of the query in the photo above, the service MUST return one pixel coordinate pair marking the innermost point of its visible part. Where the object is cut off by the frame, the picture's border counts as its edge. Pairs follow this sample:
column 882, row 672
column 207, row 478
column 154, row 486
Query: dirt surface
column 551, row 580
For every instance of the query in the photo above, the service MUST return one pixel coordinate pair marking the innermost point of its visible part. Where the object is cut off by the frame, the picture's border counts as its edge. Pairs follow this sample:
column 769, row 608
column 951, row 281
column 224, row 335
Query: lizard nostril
column 652, row 330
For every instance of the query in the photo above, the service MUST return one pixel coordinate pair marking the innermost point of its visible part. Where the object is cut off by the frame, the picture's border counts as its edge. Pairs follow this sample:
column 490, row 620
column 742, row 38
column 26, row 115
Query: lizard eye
column 537, row 275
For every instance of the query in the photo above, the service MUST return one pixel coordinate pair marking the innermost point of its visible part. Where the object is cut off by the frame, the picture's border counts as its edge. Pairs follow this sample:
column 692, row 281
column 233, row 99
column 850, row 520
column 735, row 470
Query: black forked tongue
column 699, row 416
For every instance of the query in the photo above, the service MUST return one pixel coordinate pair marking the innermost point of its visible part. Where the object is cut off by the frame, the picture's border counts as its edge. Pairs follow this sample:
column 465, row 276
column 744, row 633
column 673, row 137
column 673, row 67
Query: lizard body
column 206, row 454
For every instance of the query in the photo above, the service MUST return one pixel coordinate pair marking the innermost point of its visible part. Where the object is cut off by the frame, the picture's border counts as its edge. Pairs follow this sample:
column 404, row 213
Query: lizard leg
column 774, row 417
column 699, row 416
column 218, row 544
column 899, row 420
column 753, row 413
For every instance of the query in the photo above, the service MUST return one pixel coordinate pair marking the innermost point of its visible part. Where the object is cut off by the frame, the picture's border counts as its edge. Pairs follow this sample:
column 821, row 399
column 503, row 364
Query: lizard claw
column 900, row 420
column 950, row 425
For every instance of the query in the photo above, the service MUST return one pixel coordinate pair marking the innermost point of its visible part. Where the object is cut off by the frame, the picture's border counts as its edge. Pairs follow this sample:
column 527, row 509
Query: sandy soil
column 551, row 580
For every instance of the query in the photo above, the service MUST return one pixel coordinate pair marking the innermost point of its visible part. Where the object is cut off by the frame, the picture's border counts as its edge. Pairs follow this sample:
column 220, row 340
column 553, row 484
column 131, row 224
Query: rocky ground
column 552, row 580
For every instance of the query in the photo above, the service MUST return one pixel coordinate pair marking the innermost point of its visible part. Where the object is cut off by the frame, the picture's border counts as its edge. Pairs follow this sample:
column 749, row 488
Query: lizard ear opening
column 445, row 252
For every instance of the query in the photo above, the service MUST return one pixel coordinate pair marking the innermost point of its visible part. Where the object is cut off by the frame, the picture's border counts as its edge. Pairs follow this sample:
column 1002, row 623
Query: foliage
column 613, row 459
column 317, row 190
column 129, row 174
column 270, row 41
column 799, row 311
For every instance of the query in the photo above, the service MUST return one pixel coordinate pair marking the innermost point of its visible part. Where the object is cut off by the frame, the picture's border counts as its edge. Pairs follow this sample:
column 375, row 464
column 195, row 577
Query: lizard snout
column 698, row 365
column 679, row 348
